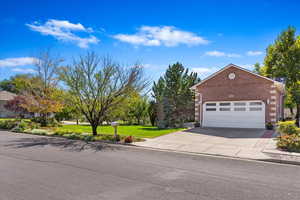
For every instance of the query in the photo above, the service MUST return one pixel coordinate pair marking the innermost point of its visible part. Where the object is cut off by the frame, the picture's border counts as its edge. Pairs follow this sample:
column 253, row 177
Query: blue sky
column 203, row 35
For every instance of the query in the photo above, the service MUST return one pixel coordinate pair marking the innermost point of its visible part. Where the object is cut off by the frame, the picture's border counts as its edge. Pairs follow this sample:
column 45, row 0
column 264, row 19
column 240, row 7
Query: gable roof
column 278, row 84
column 6, row 96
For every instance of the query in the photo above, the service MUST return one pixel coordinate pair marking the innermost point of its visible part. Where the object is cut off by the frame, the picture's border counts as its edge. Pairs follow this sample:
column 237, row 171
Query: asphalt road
column 41, row 168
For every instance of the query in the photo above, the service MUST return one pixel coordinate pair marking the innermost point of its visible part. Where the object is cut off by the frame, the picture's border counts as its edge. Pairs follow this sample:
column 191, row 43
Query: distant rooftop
column 6, row 96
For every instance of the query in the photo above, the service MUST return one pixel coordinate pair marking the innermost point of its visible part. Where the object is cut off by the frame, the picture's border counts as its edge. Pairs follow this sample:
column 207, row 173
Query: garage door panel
column 239, row 114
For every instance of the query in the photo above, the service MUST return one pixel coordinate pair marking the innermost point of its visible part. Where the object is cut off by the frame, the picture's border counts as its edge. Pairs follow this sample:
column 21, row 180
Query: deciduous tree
column 283, row 61
column 99, row 85
column 16, row 105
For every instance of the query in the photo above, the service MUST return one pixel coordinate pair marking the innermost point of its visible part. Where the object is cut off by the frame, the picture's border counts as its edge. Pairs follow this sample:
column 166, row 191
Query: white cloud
column 64, row 30
column 204, row 72
column 20, row 70
column 247, row 66
column 254, row 53
column 13, row 62
column 222, row 54
column 168, row 36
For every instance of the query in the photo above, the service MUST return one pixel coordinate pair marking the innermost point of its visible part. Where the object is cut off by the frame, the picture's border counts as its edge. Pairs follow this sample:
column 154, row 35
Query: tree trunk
column 292, row 111
column 77, row 121
column 297, row 114
column 94, row 129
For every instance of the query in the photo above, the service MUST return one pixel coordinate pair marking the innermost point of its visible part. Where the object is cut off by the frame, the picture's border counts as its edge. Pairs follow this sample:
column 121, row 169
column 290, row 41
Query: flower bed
column 289, row 139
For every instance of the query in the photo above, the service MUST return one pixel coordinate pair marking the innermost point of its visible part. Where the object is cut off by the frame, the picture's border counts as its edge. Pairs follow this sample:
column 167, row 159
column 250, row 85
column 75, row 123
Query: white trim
column 228, row 66
column 272, row 114
column 273, row 91
column 273, row 97
column 273, row 102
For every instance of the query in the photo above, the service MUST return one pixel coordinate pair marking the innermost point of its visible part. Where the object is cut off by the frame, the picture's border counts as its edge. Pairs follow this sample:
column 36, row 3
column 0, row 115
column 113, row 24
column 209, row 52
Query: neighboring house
column 236, row 97
column 4, row 98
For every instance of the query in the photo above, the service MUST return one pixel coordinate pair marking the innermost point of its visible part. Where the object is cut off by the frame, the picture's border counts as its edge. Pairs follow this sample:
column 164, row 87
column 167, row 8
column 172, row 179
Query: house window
column 224, row 104
column 224, row 109
column 255, row 103
column 211, row 109
column 239, row 104
column 255, row 109
column 240, row 109
column 211, row 104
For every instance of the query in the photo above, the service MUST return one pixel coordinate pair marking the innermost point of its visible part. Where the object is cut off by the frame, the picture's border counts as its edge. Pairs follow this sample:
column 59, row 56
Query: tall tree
column 99, row 85
column 18, row 83
column 152, row 112
column 137, row 108
column 172, row 92
column 283, row 61
column 259, row 69
column 43, row 96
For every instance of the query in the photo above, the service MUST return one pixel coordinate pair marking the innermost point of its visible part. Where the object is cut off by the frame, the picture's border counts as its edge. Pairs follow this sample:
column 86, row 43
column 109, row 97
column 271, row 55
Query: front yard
column 137, row 131
column 126, row 133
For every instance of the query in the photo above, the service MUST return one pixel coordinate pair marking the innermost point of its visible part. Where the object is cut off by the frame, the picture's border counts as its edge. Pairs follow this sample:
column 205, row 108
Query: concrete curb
column 277, row 161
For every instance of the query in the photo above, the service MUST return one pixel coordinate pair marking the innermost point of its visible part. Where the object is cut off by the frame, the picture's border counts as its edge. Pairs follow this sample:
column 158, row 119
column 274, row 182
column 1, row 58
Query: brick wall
column 245, row 86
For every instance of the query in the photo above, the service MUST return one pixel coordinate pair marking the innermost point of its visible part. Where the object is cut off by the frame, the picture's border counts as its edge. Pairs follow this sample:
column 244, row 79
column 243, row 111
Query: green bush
column 288, row 128
column 46, row 122
column 8, row 124
column 64, row 132
column 37, row 131
column 269, row 126
column 289, row 142
column 18, row 125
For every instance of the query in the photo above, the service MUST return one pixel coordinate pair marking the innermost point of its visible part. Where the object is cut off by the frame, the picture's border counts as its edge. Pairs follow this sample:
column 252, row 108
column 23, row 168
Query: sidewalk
column 281, row 156
column 262, row 148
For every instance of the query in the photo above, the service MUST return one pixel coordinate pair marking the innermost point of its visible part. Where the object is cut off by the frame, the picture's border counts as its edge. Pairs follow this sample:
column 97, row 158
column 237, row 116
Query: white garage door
column 236, row 114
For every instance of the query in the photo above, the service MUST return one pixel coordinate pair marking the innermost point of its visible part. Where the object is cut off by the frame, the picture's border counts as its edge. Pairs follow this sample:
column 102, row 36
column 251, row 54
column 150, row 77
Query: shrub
column 34, row 125
column 128, row 139
column 18, row 125
column 197, row 124
column 46, row 121
column 269, row 126
column 289, row 142
column 287, row 128
column 8, row 124
column 105, row 137
column 38, row 131
column 88, row 138
column 63, row 132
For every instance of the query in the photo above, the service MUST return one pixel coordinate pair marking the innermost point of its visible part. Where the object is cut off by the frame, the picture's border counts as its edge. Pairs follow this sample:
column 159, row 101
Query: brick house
column 4, row 97
column 236, row 97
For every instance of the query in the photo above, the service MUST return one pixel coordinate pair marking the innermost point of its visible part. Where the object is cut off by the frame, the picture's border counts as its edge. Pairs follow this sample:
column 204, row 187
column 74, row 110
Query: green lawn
column 133, row 130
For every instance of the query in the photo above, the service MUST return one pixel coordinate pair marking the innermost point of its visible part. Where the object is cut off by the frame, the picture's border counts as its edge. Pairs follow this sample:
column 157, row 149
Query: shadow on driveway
column 67, row 144
column 228, row 132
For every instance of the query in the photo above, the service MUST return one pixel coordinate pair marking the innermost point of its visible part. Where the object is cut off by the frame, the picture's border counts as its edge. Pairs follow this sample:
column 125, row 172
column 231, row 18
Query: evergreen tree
column 173, row 97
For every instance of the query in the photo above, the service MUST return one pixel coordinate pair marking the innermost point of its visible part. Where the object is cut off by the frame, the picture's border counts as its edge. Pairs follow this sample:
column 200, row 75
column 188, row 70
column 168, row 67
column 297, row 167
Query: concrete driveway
column 242, row 143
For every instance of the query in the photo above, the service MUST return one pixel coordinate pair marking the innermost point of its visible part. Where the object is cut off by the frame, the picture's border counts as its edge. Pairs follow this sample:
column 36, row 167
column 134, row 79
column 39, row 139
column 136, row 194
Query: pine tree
column 174, row 99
